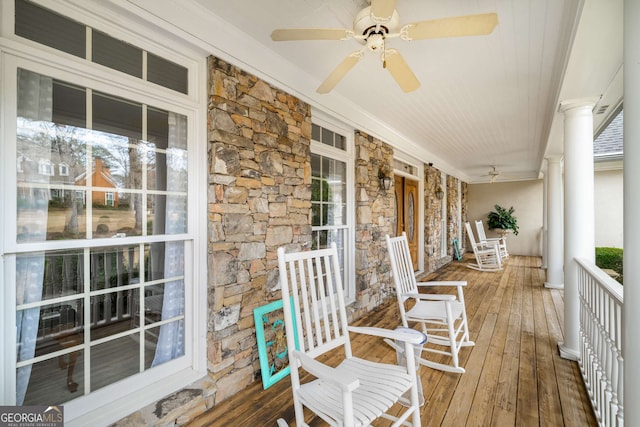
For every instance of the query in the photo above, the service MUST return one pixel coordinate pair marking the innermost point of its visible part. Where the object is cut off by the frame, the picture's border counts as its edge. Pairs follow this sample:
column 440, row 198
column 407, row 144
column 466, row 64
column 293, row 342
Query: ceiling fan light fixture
column 375, row 42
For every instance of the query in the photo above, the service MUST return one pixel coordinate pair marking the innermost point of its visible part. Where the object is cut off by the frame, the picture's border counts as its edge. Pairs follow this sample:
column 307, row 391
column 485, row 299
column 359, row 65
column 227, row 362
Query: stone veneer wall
column 452, row 212
column 375, row 216
column 432, row 220
column 259, row 199
column 464, row 216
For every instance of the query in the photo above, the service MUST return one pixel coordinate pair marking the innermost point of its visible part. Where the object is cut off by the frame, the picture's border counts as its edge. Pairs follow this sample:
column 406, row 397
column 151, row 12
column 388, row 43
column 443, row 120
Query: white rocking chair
column 487, row 256
column 357, row 391
column 487, row 241
column 443, row 317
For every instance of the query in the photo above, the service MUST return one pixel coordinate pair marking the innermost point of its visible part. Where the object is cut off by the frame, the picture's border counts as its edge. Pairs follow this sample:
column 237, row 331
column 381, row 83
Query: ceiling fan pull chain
column 384, row 55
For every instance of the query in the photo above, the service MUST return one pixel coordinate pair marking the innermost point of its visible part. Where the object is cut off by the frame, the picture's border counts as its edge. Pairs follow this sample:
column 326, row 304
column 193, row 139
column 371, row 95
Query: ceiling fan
column 374, row 24
column 493, row 174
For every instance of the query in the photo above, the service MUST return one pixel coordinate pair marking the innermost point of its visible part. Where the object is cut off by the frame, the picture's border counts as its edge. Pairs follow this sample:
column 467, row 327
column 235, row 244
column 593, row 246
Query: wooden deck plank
column 549, row 399
column 504, row 412
column 485, row 320
column 527, row 406
column 482, row 405
column 514, row 376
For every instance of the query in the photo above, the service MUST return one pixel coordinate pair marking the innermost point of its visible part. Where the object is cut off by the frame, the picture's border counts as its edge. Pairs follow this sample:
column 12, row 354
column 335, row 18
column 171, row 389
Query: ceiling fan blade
column 400, row 71
column 289, row 34
column 469, row 25
column 340, row 71
column 382, row 10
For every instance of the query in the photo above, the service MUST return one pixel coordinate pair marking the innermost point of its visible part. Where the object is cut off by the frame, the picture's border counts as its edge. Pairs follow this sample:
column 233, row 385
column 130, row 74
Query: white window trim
column 63, row 169
column 92, row 409
column 347, row 155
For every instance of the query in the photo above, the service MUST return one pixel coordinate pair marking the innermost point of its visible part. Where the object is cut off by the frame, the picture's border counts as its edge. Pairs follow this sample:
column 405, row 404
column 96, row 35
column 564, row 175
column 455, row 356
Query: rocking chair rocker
column 488, row 241
column 487, row 256
column 443, row 317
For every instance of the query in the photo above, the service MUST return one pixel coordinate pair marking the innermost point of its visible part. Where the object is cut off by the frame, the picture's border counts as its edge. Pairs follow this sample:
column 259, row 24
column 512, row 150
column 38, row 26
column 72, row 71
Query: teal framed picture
column 272, row 342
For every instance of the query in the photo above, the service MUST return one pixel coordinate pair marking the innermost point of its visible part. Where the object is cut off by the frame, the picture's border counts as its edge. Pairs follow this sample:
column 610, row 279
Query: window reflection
column 63, row 168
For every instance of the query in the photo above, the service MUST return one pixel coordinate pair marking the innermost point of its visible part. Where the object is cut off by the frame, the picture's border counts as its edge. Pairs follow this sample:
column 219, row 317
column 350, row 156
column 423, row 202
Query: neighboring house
column 609, row 169
column 107, row 194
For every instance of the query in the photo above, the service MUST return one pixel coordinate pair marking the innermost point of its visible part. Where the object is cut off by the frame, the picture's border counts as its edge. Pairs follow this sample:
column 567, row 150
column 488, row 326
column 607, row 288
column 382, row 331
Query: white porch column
column 631, row 313
column 545, row 242
column 555, row 235
column 579, row 226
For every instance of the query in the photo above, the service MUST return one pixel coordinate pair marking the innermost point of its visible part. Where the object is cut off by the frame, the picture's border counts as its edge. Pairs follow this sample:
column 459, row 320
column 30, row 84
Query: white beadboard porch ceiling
column 483, row 101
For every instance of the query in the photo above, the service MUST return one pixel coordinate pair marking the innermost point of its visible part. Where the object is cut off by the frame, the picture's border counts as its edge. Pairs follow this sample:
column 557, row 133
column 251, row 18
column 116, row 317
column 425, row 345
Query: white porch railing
column 601, row 361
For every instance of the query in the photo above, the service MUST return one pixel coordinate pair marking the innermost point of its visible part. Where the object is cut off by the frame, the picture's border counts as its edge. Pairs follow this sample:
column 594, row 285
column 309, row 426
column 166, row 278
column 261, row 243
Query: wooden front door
column 406, row 192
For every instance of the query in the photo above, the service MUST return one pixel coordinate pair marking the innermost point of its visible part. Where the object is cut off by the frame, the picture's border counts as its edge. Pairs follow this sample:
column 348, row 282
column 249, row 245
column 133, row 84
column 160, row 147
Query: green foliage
column 503, row 219
column 610, row 258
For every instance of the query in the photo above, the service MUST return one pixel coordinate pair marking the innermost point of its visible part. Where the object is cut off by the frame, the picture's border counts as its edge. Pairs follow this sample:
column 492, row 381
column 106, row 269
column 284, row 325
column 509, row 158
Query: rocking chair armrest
column 489, row 249
column 443, row 283
column 388, row 333
column 431, row 297
column 344, row 381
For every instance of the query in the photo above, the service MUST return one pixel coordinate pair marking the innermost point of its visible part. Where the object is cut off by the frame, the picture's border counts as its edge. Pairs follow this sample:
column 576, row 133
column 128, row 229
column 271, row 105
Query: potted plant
column 503, row 219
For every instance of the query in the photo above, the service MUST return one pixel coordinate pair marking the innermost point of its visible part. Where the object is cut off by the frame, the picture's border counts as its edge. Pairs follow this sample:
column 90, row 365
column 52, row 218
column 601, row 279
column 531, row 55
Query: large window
column 102, row 312
column 330, row 196
column 98, row 240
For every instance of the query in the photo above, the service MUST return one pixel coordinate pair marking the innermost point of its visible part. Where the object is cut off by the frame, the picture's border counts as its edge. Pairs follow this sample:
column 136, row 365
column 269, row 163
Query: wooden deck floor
column 514, row 374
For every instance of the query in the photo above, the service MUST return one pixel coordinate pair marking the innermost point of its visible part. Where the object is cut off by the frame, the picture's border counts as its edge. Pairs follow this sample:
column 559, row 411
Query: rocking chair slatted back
column 315, row 288
column 402, row 265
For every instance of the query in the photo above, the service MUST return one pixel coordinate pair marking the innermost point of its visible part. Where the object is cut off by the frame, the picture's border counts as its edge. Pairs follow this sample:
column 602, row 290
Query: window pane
column 166, row 214
column 316, row 170
column 114, row 361
column 163, row 260
column 316, row 212
column 166, row 73
column 59, row 328
column 46, row 208
column 157, row 129
column 123, row 218
column 117, row 116
column 63, row 273
column 56, row 380
column 113, row 312
column 328, row 191
column 115, row 266
column 153, row 338
column 50, row 29
column 116, row 54
column 69, row 105
column 315, row 132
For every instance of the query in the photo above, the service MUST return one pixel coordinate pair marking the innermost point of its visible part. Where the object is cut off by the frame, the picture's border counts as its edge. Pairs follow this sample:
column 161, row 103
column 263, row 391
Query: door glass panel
column 410, row 218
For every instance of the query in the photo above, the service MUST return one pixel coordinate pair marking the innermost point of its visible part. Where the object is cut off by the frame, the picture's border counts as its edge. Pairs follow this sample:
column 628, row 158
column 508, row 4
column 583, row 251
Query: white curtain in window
column 171, row 338
column 35, row 104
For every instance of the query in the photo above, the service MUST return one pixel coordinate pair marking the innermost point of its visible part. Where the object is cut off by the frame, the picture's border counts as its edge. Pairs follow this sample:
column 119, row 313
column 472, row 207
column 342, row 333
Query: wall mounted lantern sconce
column 439, row 193
column 385, row 180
